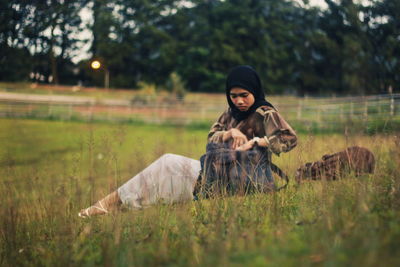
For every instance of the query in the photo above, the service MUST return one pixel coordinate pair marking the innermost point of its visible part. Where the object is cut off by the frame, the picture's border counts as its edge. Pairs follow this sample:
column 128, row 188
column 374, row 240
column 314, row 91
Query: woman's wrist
column 255, row 141
column 226, row 135
column 262, row 142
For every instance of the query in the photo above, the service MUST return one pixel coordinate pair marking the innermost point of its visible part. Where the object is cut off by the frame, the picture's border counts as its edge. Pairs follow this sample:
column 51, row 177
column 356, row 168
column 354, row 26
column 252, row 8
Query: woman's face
column 241, row 98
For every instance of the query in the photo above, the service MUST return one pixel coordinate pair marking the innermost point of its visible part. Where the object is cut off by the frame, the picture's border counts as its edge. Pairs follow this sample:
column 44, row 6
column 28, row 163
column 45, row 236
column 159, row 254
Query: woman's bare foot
column 103, row 206
column 96, row 209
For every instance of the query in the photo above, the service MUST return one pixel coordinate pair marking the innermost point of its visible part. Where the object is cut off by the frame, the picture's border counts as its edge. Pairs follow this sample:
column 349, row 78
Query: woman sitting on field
column 250, row 123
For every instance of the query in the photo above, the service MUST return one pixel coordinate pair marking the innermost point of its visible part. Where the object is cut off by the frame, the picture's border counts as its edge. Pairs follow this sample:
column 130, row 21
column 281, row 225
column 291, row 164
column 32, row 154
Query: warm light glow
column 95, row 64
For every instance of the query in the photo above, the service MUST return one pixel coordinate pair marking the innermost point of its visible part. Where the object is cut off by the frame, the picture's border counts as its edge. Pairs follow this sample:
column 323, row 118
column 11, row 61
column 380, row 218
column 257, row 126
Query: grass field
column 50, row 170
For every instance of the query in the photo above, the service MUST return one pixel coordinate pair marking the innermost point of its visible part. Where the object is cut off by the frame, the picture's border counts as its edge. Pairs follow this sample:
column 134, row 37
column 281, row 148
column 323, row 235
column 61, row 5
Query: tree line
column 351, row 47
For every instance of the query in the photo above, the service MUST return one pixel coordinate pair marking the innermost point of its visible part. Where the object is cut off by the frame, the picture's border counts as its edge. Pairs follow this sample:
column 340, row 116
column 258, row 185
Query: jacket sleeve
column 218, row 129
column 279, row 134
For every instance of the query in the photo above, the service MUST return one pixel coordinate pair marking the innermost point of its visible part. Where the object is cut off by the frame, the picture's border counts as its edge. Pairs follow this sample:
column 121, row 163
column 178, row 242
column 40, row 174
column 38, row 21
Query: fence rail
column 324, row 111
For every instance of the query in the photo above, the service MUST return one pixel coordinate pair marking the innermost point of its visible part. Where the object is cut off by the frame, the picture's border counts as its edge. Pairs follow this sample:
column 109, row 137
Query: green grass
column 50, row 170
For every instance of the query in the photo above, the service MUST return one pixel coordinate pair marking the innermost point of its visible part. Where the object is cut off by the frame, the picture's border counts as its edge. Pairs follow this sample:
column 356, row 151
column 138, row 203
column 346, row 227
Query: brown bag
column 332, row 166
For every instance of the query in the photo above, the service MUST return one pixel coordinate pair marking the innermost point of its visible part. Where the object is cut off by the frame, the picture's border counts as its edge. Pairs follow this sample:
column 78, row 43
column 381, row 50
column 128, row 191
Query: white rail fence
column 323, row 111
column 345, row 108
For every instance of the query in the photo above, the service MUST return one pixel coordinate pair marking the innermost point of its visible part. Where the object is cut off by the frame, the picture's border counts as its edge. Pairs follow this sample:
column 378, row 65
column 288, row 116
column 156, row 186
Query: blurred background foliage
column 350, row 47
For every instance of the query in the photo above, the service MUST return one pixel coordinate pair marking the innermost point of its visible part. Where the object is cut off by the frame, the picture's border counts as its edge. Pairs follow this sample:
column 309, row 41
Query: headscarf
column 247, row 78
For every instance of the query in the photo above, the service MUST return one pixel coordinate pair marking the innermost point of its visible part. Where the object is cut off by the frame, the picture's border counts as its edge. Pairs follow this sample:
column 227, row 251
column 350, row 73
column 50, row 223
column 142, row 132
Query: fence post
column 341, row 113
column 299, row 109
column 69, row 111
column 365, row 109
column 379, row 105
column 49, row 111
column 203, row 113
column 109, row 111
column 9, row 110
column 163, row 112
column 391, row 105
column 351, row 110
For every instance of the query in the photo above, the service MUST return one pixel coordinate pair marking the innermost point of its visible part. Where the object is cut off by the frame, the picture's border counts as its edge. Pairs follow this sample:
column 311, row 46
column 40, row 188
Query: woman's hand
column 246, row 146
column 256, row 141
column 238, row 138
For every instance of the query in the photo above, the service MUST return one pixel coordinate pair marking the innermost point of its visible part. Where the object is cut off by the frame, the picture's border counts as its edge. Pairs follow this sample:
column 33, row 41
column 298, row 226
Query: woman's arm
column 280, row 137
column 219, row 133
column 279, row 134
column 218, row 130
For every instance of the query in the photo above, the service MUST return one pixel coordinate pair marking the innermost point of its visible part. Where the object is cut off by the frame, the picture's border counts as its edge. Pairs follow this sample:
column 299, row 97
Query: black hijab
column 247, row 78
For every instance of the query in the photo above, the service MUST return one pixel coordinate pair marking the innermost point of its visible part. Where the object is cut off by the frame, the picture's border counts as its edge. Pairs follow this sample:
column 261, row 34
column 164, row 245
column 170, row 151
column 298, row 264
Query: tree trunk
column 54, row 71
column 53, row 60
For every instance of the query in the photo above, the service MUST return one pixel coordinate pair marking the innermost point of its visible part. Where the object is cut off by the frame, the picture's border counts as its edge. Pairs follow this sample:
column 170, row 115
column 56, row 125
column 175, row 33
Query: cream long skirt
column 169, row 179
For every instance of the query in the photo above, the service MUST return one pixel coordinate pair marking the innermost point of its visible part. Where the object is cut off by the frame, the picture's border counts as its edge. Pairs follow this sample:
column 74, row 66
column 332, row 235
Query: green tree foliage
column 47, row 30
column 52, row 28
column 14, row 57
column 228, row 33
column 384, row 35
column 347, row 49
column 352, row 47
column 131, row 38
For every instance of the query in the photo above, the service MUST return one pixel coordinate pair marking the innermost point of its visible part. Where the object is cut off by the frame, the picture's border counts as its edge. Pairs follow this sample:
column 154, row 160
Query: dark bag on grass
column 227, row 171
column 333, row 166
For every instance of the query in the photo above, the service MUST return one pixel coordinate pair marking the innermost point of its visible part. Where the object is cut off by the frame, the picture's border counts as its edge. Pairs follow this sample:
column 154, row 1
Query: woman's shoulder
column 225, row 117
column 265, row 110
column 226, row 113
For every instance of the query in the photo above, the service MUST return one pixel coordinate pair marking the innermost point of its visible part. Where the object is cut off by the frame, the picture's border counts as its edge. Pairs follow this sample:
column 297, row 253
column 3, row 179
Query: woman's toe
column 83, row 213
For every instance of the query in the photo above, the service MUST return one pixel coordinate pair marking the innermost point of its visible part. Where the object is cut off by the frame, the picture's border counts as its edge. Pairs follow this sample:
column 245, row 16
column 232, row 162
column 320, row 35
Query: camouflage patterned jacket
column 266, row 122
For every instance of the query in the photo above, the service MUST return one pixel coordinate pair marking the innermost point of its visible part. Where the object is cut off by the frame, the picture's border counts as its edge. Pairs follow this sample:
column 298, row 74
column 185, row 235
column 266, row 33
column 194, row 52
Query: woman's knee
column 168, row 157
column 171, row 161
